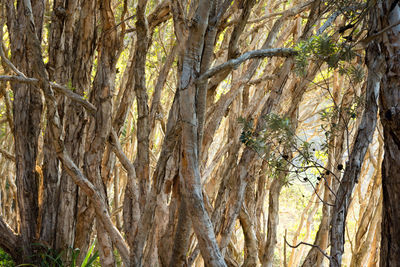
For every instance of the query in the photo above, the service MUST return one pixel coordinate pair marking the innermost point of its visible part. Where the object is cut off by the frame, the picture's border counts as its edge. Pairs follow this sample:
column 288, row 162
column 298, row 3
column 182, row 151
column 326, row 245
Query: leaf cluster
column 323, row 48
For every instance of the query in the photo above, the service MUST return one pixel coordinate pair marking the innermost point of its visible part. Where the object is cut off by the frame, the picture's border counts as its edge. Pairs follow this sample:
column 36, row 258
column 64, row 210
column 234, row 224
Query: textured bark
column 182, row 236
column 100, row 125
column 143, row 127
column 74, row 229
column 250, row 238
column 59, row 68
column 202, row 168
column 234, row 198
column 363, row 138
column 297, row 92
column 96, row 196
column 189, row 167
column 238, row 181
column 27, row 108
column 388, row 13
column 233, row 50
column 371, row 216
column 358, row 258
column 374, row 248
column 273, row 219
column 296, row 255
column 9, row 241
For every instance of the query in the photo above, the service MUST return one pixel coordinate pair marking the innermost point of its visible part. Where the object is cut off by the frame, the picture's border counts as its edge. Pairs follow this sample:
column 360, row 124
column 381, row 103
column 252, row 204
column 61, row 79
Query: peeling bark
column 388, row 13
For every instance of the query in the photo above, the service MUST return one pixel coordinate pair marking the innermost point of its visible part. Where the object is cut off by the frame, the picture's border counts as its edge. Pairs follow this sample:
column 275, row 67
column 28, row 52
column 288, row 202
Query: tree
column 89, row 152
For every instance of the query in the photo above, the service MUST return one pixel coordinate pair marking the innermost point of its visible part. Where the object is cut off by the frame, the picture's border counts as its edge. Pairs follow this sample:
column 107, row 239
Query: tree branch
column 7, row 155
column 230, row 64
column 20, row 79
column 8, row 239
column 128, row 166
column 308, row 244
column 59, row 88
column 74, row 96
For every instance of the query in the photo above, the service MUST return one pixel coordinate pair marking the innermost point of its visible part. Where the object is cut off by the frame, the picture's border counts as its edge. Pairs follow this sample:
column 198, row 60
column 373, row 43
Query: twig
column 364, row 42
column 308, row 244
column 284, row 250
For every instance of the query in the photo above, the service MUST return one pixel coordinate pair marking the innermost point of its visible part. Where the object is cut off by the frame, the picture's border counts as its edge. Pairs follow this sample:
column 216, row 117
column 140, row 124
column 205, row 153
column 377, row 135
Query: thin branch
column 287, row 13
column 9, row 63
column 230, row 64
column 98, row 201
column 20, row 79
column 72, row 169
column 328, row 23
column 74, row 96
column 128, row 166
column 308, row 244
column 59, row 88
column 364, row 42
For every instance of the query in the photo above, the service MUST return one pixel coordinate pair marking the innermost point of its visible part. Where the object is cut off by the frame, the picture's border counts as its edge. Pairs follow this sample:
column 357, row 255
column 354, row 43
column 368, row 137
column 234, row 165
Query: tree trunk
column 73, row 227
column 100, row 125
column 27, row 109
column 273, row 219
column 189, row 164
column 388, row 13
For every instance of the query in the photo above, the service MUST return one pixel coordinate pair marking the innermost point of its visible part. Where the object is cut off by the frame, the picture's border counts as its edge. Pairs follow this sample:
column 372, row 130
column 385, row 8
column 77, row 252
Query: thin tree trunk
column 370, row 216
column 250, row 239
column 336, row 150
column 273, row 219
column 27, row 109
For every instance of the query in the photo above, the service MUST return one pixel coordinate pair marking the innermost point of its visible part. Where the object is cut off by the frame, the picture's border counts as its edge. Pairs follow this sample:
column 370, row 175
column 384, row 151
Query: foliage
column 279, row 145
column 335, row 55
column 5, row 259
column 335, row 119
column 50, row 258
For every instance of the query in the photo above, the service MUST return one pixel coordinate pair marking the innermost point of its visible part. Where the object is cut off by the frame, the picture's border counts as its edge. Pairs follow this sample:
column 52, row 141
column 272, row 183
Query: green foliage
column 89, row 258
column 70, row 87
column 5, row 259
column 48, row 257
column 355, row 73
column 335, row 55
column 278, row 144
